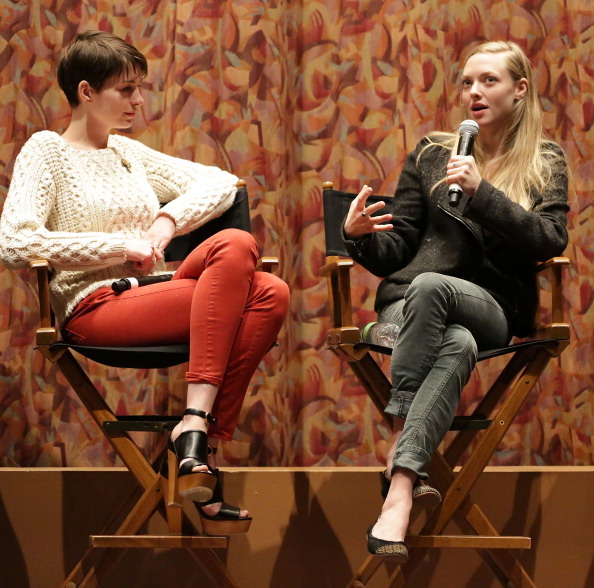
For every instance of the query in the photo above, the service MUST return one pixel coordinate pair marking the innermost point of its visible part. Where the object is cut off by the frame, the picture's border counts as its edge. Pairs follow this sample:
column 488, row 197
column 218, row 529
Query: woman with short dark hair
column 101, row 206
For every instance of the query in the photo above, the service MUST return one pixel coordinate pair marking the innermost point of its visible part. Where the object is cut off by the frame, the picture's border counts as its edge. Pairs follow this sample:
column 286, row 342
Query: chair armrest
column 337, row 273
column 553, row 262
column 47, row 333
column 557, row 328
column 267, row 264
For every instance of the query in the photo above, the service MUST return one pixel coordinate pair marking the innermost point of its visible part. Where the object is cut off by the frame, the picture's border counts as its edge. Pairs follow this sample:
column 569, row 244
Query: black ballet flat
column 395, row 550
column 227, row 521
column 428, row 494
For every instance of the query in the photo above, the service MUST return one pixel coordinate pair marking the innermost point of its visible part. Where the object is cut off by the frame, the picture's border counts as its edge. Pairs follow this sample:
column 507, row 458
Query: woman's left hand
column 462, row 170
column 160, row 234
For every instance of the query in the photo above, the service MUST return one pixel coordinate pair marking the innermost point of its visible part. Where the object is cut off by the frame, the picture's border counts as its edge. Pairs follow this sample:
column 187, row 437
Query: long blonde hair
column 528, row 161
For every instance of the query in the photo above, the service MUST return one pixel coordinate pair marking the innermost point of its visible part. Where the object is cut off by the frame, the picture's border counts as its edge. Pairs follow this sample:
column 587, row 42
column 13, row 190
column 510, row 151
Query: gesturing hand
column 359, row 221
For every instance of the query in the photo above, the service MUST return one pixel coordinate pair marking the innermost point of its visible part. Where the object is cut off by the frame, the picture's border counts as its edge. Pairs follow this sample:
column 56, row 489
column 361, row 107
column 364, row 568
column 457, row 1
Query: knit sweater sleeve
column 24, row 225
column 191, row 193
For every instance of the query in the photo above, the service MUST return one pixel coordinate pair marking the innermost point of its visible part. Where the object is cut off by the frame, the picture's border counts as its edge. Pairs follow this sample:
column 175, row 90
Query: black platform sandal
column 227, row 521
column 193, row 447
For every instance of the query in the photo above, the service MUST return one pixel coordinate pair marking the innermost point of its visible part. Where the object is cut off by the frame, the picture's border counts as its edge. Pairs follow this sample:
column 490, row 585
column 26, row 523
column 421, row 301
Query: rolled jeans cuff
column 414, row 459
column 399, row 404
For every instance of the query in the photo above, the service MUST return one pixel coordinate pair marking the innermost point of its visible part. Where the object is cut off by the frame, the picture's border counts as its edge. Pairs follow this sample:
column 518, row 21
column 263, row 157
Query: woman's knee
column 274, row 289
column 239, row 240
column 427, row 292
column 233, row 247
column 461, row 342
column 426, row 284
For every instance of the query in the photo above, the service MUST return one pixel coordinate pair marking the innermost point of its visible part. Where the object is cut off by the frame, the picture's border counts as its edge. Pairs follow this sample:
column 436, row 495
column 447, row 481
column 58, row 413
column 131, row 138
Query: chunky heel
column 192, row 446
column 227, row 521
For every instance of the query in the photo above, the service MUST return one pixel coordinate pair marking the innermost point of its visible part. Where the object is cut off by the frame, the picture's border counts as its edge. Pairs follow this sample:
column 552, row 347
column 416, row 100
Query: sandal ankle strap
column 207, row 416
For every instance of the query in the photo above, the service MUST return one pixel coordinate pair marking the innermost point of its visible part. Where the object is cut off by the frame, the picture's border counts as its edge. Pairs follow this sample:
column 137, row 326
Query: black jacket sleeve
column 384, row 253
column 538, row 233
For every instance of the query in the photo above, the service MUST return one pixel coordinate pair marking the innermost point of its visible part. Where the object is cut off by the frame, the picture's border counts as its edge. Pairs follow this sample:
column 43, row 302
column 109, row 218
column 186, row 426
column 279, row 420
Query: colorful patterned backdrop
column 288, row 94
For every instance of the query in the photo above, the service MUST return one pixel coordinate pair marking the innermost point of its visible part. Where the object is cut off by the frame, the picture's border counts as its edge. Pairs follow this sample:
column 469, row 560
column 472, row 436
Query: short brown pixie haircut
column 96, row 57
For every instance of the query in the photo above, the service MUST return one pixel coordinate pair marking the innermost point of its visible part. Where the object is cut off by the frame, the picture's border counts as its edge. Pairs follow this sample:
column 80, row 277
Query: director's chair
column 156, row 493
column 485, row 427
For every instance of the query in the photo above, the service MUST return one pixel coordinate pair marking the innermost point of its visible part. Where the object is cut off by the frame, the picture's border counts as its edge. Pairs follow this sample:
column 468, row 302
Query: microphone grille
column 468, row 126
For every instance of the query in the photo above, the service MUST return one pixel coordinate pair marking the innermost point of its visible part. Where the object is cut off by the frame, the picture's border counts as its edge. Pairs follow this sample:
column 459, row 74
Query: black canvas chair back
column 485, row 427
column 236, row 217
column 336, row 205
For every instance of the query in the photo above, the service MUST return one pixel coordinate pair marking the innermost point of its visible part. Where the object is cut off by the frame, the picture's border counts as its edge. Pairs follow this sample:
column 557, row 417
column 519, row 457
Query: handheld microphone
column 128, row 283
column 467, row 130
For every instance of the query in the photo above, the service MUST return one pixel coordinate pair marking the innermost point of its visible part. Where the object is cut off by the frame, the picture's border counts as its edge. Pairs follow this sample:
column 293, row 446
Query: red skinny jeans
column 229, row 313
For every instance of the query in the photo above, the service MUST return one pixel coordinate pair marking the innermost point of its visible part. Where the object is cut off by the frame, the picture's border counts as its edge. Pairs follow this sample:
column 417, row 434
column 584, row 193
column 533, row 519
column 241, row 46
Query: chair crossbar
column 469, row 423
column 474, row 541
column 158, row 541
column 149, row 423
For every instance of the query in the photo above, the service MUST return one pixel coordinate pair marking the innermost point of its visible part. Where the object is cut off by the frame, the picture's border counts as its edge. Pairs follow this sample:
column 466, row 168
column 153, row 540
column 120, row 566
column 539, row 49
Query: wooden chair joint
column 267, row 264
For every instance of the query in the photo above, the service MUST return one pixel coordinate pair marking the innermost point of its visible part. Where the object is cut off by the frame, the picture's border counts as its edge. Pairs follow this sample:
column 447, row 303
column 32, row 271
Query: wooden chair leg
column 469, row 473
column 173, row 512
column 365, row 572
column 94, row 565
column 504, row 382
column 98, row 561
column 502, row 562
column 459, row 486
column 373, row 380
column 523, row 372
column 123, row 445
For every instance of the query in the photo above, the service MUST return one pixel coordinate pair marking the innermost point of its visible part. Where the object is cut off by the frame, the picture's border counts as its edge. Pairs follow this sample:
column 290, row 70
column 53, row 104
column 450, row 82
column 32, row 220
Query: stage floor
column 308, row 529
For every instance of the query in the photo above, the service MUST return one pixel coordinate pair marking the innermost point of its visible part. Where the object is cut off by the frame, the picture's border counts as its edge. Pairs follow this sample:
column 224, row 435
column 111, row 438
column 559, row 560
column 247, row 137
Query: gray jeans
column 444, row 322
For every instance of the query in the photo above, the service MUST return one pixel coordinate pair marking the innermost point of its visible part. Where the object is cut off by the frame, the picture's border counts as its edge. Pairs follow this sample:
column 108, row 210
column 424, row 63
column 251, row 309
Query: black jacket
column 488, row 240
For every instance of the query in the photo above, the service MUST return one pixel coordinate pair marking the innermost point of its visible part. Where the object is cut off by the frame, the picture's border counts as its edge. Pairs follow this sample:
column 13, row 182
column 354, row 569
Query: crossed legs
column 444, row 321
column 229, row 313
column 236, row 314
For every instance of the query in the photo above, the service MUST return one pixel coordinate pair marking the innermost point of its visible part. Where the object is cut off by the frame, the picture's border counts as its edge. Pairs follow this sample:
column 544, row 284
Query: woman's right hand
column 359, row 221
column 143, row 254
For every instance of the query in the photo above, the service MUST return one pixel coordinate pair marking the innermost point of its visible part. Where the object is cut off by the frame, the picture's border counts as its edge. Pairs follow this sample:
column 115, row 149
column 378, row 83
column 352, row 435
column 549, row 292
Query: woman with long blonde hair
column 458, row 279
column 523, row 157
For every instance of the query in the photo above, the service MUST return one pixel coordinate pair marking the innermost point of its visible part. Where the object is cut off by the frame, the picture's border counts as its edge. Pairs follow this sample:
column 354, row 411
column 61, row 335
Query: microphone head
column 468, row 126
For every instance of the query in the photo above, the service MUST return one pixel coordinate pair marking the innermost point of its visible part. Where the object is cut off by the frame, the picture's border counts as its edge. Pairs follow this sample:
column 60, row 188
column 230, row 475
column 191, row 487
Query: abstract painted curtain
column 288, row 94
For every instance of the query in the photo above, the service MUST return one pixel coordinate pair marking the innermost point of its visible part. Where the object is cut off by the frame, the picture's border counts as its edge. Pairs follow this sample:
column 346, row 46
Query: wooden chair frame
column 491, row 418
column 155, row 492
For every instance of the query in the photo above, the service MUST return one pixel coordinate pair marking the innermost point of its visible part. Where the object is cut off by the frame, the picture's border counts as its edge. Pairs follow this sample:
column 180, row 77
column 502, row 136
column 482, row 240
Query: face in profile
column 117, row 103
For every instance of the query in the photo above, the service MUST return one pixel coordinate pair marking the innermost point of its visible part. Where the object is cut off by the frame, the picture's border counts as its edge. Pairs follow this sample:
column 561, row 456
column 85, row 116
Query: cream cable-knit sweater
column 77, row 208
